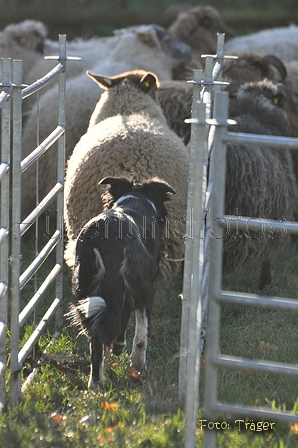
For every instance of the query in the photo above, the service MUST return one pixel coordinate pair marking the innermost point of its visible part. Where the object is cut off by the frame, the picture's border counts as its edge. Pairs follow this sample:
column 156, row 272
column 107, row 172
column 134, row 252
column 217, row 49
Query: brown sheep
column 198, row 28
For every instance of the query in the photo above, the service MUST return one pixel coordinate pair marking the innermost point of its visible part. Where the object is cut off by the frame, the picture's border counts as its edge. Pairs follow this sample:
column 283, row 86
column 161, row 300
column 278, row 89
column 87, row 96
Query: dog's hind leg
column 120, row 343
column 96, row 379
column 138, row 355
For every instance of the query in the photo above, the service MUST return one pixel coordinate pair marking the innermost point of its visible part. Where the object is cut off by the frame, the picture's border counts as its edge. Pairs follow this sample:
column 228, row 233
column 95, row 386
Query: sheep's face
column 198, row 27
column 29, row 34
column 267, row 103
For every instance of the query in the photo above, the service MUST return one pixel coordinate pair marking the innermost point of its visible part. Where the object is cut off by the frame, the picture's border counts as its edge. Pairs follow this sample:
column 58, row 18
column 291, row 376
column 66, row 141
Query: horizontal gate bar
column 3, row 96
column 3, row 289
column 40, row 258
column 2, row 367
column 260, row 413
column 257, row 300
column 3, row 234
column 29, row 308
column 27, row 223
column 37, row 85
column 2, row 329
column 24, row 352
column 262, row 224
column 4, row 167
column 236, row 362
column 42, row 148
column 260, row 139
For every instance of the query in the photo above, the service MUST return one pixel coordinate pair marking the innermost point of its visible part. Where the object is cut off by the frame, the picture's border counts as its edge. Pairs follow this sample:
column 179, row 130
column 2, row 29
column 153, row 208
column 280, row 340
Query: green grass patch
column 57, row 409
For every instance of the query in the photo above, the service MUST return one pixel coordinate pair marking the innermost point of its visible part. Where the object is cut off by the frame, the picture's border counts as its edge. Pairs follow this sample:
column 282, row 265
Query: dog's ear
column 158, row 190
column 119, row 186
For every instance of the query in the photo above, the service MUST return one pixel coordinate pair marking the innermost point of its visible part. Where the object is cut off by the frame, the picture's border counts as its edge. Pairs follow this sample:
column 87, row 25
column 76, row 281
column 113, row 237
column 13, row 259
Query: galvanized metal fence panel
column 196, row 265
column 19, row 279
column 4, row 218
column 213, row 221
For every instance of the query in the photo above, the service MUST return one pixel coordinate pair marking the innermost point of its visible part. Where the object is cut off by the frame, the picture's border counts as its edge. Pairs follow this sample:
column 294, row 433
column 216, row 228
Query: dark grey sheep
column 175, row 97
column 260, row 181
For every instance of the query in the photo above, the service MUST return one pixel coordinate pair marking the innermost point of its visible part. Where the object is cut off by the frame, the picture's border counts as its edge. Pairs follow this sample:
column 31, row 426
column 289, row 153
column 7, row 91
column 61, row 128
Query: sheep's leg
column 265, row 277
column 120, row 343
column 96, row 379
column 138, row 355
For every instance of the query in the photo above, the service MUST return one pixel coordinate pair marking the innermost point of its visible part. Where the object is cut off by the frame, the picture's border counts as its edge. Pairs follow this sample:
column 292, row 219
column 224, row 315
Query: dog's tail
column 96, row 320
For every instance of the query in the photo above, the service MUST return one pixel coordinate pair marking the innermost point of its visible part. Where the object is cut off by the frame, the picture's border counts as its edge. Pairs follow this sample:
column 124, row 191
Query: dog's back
column 117, row 257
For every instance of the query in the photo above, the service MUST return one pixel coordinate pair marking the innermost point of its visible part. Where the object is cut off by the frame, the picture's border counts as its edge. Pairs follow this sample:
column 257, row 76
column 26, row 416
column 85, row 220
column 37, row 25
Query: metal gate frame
column 4, row 219
column 202, row 281
column 19, row 279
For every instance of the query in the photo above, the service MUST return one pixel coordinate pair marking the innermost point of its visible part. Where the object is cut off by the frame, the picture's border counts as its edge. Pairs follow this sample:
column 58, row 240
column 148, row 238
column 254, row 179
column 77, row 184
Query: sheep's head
column 198, row 27
column 155, row 36
column 30, row 34
column 268, row 103
column 250, row 67
column 146, row 81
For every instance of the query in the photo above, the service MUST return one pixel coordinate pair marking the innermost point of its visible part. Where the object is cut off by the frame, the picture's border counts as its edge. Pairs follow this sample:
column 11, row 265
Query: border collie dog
column 116, row 268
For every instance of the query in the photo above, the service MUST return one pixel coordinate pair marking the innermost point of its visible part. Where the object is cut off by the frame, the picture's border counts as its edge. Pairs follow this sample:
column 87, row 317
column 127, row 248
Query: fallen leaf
column 109, row 406
column 136, row 376
column 58, row 419
column 267, row 346
column 294, row 428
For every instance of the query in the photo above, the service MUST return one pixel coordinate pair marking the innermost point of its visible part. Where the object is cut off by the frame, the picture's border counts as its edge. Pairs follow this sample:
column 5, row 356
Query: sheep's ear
column 104, row 82
column 119, row 186
column 148, row 82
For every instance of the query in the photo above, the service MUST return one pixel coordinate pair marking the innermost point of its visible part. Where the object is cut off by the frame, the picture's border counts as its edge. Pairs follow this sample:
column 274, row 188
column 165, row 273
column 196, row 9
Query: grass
column 57, row 410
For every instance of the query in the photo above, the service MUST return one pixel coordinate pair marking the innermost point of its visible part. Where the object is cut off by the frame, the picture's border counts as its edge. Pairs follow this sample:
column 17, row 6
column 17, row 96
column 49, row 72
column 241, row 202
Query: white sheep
column 90, row 51
column 153, row 50
column 282, row 42
column 125, row 44
column 23, row 40
column 128, row 136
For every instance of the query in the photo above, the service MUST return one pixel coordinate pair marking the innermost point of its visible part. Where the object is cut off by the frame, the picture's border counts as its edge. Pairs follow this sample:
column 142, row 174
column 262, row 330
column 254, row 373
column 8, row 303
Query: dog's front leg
column 96, row 379
column 138, row 355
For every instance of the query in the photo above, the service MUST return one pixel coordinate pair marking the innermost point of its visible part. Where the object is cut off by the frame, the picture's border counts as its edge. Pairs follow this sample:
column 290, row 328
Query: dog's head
column 154, row 189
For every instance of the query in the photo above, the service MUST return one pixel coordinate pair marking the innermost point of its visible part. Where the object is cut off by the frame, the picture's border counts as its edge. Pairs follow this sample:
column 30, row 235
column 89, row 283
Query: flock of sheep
column 123, row 132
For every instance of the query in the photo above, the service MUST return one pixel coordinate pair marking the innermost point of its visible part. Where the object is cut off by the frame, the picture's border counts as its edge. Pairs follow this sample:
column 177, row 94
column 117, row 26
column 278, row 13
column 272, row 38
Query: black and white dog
column 116, row 268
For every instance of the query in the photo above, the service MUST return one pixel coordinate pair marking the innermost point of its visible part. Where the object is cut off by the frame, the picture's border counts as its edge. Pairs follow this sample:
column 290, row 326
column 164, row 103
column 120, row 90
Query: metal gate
column 4, row 219
column 203, row 260
column 13, row 95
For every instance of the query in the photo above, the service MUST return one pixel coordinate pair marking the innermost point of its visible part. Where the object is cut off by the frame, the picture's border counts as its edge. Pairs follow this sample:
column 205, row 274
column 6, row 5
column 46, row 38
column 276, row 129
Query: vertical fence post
column 4, row 222
column 60, row 179
column 198, row 177
column 15, row 390
column 188, row 243
column 217, row 173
